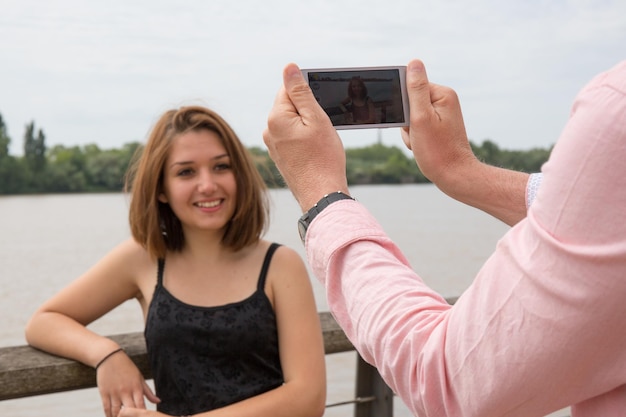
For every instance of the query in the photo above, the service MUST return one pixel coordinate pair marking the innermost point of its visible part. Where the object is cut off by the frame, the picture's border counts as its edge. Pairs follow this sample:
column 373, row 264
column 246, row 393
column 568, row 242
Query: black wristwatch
column 308, row 217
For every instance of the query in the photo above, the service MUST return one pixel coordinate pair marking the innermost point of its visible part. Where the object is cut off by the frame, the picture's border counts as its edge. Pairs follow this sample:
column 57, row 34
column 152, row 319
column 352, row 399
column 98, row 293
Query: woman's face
column 356, row 88
column 199, row 183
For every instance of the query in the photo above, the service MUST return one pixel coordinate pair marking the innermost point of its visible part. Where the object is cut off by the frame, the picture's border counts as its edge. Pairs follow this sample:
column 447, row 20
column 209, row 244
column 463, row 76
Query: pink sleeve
column 542, row 325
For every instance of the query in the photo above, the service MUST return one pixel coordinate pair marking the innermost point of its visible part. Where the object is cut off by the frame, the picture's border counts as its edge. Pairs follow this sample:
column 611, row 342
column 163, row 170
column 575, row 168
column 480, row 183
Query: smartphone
column 361, row 97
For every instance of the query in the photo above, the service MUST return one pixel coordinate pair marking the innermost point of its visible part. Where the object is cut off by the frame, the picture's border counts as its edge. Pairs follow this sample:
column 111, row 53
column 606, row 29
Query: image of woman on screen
column 358, row 107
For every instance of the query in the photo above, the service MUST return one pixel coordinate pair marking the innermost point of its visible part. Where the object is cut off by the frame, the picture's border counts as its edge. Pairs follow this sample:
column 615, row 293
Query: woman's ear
column 162, row 198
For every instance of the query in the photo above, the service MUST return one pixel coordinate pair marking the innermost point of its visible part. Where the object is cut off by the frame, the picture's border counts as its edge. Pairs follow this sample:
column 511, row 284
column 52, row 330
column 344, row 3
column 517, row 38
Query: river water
column 48, row 240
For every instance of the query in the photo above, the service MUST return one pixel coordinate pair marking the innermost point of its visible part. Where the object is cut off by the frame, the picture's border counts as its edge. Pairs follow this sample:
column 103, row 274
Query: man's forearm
column 499, row 192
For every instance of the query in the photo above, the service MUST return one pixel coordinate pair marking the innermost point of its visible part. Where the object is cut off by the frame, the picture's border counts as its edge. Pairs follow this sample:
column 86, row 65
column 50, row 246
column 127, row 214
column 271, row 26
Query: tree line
column 88, row 168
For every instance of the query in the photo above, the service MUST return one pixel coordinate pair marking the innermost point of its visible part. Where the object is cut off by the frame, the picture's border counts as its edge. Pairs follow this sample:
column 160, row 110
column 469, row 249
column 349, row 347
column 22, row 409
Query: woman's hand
column 138, row 412
column 122, row 386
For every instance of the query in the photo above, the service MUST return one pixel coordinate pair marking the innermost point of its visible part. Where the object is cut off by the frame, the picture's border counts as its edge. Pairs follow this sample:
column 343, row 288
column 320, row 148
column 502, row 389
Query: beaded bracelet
column 107, row 357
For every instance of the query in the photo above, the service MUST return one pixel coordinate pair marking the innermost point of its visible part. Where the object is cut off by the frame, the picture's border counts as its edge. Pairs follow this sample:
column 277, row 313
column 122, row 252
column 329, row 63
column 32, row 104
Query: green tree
column 90, row 169
column 266, row 167
column 35, row 159
column 29, row 144
column 13, row 176
column 12, row 171
column 401, row 169
column 40, row 151
column 526, row 161
column 106, row 171
column 5, row 140
column 380, row 164
column 66, row 170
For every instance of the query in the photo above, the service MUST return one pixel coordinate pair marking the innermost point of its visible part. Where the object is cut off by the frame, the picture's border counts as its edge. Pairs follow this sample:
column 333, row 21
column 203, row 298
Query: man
column 542, row 325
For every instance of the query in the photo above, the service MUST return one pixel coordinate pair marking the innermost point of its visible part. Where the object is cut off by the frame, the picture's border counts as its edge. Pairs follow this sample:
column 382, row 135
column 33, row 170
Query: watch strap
column 328, row 199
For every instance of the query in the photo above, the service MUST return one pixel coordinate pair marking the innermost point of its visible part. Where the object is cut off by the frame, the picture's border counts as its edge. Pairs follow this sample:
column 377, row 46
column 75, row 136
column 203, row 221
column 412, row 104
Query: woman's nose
column 206, row 182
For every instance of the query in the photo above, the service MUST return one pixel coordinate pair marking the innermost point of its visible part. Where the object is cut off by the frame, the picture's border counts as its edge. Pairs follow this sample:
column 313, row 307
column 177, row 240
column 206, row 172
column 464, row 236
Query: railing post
column 373, row 397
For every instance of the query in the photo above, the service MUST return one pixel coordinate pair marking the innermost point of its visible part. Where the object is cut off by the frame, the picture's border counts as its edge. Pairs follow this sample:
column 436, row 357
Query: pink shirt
column 542, row 326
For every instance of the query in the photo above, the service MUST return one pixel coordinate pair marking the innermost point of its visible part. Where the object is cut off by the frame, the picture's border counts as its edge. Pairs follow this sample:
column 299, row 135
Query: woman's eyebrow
column 176, row 163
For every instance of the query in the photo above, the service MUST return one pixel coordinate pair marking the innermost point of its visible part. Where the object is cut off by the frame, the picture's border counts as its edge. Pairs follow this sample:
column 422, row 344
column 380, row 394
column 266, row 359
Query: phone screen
column 361, row 98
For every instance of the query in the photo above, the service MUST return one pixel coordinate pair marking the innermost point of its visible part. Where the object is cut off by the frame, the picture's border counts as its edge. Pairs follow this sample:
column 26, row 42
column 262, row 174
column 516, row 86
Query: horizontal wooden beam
column 26, row 372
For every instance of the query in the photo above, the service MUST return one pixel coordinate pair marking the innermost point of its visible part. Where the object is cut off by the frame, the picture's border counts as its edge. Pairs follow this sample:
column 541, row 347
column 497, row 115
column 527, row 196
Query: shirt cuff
column 534, row 182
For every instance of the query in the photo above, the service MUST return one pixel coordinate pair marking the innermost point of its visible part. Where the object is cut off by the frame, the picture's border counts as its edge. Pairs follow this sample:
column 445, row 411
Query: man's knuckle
column 301, row 88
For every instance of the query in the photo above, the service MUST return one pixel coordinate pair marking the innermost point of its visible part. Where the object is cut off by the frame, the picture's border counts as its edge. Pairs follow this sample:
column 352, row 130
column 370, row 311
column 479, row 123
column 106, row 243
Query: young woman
column 358, row 107
column 231, row 323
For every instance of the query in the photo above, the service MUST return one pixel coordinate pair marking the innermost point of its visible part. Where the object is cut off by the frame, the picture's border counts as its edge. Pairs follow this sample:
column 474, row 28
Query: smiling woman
column 230, row 318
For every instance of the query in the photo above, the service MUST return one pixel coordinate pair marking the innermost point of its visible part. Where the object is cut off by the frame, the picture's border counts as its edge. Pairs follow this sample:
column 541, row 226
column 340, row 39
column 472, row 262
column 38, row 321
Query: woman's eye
column 222, row 167
column 184, row 172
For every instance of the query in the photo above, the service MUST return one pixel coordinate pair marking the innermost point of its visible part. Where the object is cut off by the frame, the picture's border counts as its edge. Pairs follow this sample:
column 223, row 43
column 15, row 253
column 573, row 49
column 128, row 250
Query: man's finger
column 418, row 88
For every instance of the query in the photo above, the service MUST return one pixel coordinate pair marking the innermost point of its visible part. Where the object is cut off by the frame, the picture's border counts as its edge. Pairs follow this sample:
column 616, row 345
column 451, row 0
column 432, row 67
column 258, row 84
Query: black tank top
column 204, row 358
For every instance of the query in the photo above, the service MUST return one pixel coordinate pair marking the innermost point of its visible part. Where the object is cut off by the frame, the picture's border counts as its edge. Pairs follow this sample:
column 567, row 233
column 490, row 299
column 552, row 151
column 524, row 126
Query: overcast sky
column 103, row 71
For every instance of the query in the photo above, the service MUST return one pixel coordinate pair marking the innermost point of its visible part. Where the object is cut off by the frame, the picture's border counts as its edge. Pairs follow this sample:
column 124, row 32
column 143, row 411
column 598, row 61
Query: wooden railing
column 26, row 372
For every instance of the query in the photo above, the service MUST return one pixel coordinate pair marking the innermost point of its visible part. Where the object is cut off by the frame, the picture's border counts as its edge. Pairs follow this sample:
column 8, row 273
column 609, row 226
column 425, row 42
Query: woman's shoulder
column 285, row 261
column 281, row 252
column 288, row 278
column 130, row 255
column 131, row 248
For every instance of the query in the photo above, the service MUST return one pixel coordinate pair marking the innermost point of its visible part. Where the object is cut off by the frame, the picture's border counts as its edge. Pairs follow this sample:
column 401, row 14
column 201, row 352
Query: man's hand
column 303, row 143
column 437, row 133
column 442, row 151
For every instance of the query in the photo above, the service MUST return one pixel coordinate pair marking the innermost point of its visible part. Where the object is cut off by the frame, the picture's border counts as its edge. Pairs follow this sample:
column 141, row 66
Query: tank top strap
column 161, row 263
column 266, row 265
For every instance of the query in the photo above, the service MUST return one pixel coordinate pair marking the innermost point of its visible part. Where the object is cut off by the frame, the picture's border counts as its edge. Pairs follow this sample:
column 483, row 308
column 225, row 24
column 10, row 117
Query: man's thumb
column 300, row 93
column 418, row 87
